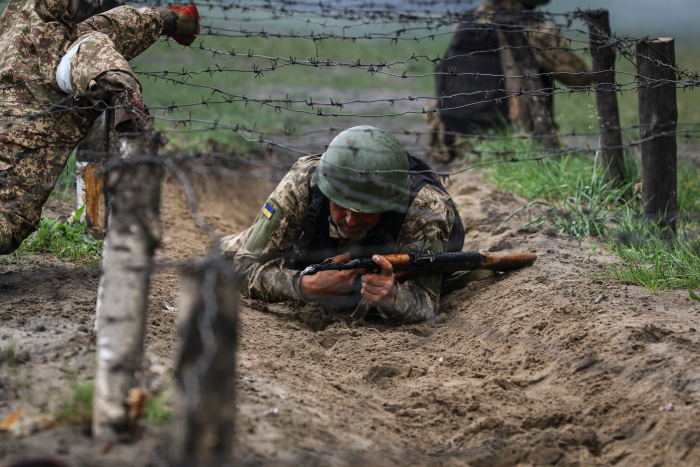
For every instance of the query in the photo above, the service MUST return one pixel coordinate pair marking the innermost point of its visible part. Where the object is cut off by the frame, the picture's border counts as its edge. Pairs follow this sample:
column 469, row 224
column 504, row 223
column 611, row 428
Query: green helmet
column 353, row 171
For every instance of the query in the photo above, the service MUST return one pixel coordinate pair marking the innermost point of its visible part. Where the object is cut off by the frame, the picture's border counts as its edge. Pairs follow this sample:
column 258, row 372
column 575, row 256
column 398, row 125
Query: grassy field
column 299, row 82
column 295, row 82
column 569, row 195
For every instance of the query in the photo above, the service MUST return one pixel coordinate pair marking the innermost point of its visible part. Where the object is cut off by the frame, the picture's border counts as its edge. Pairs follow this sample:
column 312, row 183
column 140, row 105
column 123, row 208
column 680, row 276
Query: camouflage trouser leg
column 105, row 43
column 97, row 56
column 99, row 65
column 130, row 31
column 26, row 181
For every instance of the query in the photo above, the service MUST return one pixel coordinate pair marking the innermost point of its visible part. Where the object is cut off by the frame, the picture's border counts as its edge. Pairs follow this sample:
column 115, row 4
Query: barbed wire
column 506, row 156
column 181, row 165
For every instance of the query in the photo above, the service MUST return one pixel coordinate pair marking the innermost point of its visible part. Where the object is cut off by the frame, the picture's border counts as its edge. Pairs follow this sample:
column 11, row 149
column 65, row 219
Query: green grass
column 9, row 355
column 646, row 258
column 569, row 194
column 67, row 241
column 157, row 409
column 577, row 203
column 78, row 411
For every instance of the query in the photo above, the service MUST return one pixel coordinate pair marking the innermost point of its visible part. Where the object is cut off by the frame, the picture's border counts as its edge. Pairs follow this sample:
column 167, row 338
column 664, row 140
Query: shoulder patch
column 268, row 210
column 263, row 228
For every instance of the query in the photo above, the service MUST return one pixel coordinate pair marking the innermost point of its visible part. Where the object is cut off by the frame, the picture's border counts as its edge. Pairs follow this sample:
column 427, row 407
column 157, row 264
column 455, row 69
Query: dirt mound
column 523, row 368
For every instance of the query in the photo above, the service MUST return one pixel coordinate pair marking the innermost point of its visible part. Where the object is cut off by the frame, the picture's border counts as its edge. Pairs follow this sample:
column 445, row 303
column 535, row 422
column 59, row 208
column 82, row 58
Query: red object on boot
column 187, row 17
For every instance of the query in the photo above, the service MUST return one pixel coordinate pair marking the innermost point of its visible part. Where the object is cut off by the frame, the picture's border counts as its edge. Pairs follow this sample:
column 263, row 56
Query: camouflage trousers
column 24, row 188
column 34, row 151
column 28, row 176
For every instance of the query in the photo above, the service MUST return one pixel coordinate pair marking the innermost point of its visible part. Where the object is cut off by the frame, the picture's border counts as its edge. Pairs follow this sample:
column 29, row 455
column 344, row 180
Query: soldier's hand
column 380, row 289
column 329, row 284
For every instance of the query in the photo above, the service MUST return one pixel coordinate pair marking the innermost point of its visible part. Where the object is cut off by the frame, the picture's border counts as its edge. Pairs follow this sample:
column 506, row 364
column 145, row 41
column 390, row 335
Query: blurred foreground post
column 518, row 59
column 606, row 99
column 133, row 235
column 202, row 433
column 658, row 115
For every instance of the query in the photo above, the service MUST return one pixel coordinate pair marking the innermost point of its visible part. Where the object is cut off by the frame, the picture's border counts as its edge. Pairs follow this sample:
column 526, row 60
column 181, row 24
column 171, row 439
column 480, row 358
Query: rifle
column 430, row 263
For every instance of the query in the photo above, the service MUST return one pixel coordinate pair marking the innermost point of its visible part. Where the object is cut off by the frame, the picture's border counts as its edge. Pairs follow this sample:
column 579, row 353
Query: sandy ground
column 518, row 369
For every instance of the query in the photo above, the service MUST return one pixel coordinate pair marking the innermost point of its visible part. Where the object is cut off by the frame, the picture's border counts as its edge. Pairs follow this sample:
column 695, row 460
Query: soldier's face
column 353, row 225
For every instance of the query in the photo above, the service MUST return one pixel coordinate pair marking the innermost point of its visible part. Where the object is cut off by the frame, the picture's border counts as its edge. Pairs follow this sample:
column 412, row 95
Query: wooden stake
column 606, row 99
column 91, row 155
column 203, row 430
column 133, row 235
column 658, row 114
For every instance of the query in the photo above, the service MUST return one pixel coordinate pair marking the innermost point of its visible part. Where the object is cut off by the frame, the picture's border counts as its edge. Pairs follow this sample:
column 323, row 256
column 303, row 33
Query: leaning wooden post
column 202, row 433
column 91, row 155
column 658, row 116
column 134, row 233
column 532, row 85
column 606, row 99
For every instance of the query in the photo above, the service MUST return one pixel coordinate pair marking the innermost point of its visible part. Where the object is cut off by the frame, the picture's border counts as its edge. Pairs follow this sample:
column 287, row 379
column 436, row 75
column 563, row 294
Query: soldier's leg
column 130, row 30
column 26, row 181
column 97, row 65
column 28, row 177
column 134, row 30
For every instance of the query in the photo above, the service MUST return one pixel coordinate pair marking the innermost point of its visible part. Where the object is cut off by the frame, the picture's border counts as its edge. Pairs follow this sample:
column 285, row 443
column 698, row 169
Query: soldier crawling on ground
column 366, row 196
column 474, row 51
column 59, row 59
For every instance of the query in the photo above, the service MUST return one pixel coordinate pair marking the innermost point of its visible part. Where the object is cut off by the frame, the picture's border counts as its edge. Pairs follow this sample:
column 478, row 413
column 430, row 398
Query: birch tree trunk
column 133, row 234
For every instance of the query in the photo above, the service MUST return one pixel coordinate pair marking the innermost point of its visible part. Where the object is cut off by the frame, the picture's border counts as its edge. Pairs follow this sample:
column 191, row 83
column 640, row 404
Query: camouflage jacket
column 263, row 252
column 34, row 36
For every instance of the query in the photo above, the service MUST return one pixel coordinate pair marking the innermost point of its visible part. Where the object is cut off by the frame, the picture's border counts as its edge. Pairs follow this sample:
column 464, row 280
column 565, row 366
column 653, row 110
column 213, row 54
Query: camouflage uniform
column 262, row 253
column 34, row 36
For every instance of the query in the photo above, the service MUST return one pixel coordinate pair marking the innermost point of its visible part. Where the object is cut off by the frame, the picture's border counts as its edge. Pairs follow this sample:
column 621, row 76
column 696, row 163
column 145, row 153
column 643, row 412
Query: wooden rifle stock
column 509, row 262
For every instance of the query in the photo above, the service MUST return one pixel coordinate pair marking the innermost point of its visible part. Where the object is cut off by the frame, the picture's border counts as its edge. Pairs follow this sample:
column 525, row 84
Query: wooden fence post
column 90, row 157
column 658, row 114
column 133, row 235
column 100, row 145
column 202, row 433
column 606, row 99
column 520, row 59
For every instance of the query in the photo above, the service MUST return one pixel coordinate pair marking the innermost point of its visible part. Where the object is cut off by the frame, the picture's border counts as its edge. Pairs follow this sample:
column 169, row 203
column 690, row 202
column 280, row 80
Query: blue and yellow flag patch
column 268, row 210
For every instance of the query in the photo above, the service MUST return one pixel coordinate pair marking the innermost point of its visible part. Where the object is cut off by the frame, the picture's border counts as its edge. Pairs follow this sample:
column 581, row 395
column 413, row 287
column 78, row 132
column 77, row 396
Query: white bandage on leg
column 63, row 70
